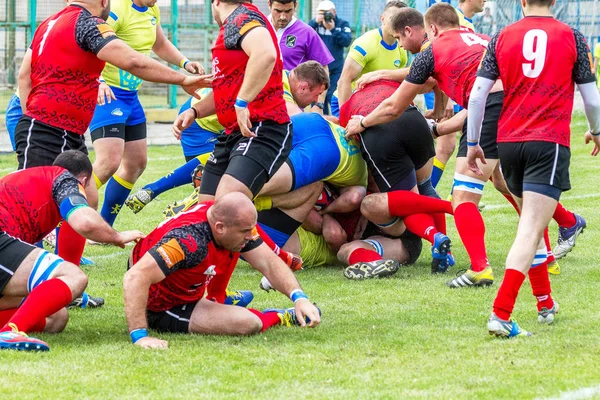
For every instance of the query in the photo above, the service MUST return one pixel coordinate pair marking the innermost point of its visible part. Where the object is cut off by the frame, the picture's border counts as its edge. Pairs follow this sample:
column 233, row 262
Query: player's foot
column 546, row 316
column 287, row 317
column 86, row 301
column 240, row 298
column 140, row 199
column 86, row 261
column 183, row 205
column 265, row 284
column 554, row 268
column 197, row 175
column 15, row 340
column 505, row 329
column 439, row 253
column 568, row 236
column 294, row 261
column 371, row 269
column 471, row 278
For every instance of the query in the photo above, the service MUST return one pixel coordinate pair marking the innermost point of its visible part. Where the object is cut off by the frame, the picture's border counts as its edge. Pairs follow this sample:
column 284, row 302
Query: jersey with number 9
column 452, row 59
column 539, row 60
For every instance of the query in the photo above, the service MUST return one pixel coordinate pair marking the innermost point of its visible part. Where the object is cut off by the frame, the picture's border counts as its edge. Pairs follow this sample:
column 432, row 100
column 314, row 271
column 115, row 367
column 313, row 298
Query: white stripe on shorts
column 177, row 316
column 28, row 143
column 281, row 148
column 554, row 166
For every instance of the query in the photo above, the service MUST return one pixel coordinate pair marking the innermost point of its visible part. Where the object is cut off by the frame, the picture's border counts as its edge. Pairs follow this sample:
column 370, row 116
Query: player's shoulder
column 120, row 9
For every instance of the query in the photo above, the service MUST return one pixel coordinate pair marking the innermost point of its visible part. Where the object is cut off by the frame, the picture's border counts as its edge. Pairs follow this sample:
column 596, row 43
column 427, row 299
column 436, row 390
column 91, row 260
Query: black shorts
column 252, row 161
column 489, row 128
column 12, row 253
column 412, row 243
column 39, row 144
column 394, row 151
column 175, row 320
column 121, row 131
column 542, row 163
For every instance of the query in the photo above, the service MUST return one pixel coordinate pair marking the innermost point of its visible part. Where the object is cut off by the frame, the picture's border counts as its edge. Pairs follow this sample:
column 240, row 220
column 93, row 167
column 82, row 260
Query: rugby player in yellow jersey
column 377, row 49
column 118, row 128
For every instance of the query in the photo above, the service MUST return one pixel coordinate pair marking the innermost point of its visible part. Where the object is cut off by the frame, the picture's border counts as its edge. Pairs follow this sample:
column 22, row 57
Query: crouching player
column 195, row 253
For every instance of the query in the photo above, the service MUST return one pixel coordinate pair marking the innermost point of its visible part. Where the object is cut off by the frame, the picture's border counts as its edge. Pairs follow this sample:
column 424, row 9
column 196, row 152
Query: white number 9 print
column 535, row 44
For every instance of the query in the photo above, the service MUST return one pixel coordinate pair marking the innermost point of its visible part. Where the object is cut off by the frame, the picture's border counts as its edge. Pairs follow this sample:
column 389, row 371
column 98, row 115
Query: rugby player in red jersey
column 195, row 253
column 32, row 203
column 533, row 140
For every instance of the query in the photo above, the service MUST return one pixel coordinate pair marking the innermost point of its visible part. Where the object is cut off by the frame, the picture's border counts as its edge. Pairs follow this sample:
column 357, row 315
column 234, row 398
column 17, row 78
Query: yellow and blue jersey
column 287, row 90
column 210, row 123
column 352, row 169
column 597, row 57
column 136, row 26
column 466, row 24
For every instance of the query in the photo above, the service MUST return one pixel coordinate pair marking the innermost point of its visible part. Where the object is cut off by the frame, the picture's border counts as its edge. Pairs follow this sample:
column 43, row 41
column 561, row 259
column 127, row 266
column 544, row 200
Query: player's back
column 537, row 60
column 456, row 57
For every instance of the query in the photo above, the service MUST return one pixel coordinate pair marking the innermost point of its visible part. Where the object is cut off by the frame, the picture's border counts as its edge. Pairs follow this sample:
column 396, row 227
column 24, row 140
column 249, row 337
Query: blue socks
column 117, row 191
column 179, row 177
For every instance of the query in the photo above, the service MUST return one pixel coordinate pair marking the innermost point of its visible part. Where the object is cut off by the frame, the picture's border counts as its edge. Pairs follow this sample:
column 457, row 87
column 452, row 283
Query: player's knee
column 57, row 322
column 344, row 252
column 373, row 204
column 74, row 277
column 108, row 167
column 250, row 326
column 334, row 236
column 355, row 197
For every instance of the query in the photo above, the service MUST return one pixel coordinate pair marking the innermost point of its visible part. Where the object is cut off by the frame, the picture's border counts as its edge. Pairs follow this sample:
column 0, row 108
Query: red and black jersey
column 30, row 201
column 229, row 67
column 452, row 60
column 186, row 252
column 65, row 69
column 364, row 101
column 539, row 60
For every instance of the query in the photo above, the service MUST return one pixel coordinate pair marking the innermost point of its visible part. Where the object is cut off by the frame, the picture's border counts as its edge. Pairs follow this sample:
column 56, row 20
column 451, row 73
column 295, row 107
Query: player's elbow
column 133, row 63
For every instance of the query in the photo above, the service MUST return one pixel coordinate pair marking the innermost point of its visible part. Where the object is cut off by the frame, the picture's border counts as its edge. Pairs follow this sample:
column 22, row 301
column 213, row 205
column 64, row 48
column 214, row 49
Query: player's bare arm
column 25, row 80
column 168, row 52
column 89, row 224
column 202, row 109
column 283, row 280
column 387, row 111
column 350, row 73
column 136, row 284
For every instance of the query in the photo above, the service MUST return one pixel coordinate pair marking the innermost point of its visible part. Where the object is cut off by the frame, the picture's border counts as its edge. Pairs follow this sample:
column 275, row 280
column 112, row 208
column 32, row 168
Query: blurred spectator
column 336, row 34
column 484, row 23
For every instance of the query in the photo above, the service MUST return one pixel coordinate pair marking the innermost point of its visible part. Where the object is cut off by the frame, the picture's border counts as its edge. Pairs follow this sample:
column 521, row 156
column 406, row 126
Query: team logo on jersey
column 397, row 63
column 290, row 41
column 153, row 21
column 117, row 112
column 190, row 243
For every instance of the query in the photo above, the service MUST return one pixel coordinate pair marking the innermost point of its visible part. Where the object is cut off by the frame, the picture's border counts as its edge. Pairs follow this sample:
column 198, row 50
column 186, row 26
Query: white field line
column 567, row 198
column 578, row 394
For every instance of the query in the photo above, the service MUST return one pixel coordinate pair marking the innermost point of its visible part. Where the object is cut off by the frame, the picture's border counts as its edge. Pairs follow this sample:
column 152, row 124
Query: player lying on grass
column 32, row 203
column 195, row 253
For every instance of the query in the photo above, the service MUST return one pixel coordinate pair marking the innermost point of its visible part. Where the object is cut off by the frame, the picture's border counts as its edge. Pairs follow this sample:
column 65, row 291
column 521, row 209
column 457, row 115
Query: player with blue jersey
column 118, row 128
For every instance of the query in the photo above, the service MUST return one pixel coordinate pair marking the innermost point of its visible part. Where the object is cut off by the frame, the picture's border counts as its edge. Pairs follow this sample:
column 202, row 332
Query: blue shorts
column 335, row 106
column 126, row 110
column 13, row 115
column 315, row 154
column 196, row 140
column 430, row 100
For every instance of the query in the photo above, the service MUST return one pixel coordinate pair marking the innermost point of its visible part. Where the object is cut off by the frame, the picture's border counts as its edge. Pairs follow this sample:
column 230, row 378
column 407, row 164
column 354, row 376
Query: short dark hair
column 313, row 73
column 406, row 17
column 236, row 1
column 394, row 3
column 442, row 15
column 281, row 1
column 543, row 3
column 76, row 162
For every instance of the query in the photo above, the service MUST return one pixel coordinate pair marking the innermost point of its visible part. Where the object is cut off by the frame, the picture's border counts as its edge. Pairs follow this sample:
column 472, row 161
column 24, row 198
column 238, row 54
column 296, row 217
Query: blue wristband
column 138, row 334
column 297, row 295
column 241, row 103
column 472, row 144
column 185, row 63
column 594, row 134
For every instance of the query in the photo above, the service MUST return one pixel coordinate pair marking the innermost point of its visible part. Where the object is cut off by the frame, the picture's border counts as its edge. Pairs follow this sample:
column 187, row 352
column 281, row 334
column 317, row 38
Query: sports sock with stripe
column 179, row 177
column 363, row 255
column 117, row 191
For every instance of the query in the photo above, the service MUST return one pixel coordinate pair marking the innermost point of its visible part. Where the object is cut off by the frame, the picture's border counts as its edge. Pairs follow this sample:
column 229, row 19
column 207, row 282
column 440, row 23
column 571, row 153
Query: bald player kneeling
column 195, row 253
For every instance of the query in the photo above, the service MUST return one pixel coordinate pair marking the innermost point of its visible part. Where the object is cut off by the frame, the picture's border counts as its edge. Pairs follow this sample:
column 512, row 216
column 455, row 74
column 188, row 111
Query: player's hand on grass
column 182, row 122
column 304, row 308
column 353, row 128
column 475, row 153
column 127, row 237
column 105, row 94
column 194, row 67
column 152, row 343
column 192, row 83
column 243, row 120
column 596, row 139
column 367, row 78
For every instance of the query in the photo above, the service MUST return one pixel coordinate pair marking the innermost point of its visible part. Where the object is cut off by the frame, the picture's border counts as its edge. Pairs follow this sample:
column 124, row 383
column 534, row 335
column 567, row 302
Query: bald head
column 233, row 209
column 98, row 8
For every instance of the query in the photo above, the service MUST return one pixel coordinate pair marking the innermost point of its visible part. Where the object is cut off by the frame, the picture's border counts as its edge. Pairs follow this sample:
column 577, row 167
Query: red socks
column 563, row 217
column 281, row 253
column 472, row 232
column 268, row 319
column 549, row 252
column 363, row 255
column 402, row 203
column 440, row 222
column 70, row 244
column 512, row 201
column 421, row 225
column 507, row 294
column 540, row 286
column 43, row 301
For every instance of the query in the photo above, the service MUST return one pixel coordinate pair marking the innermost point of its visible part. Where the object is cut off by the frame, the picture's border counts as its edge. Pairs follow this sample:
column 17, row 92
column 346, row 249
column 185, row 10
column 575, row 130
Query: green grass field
column 404, row 337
